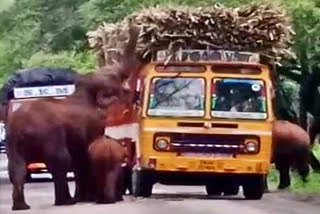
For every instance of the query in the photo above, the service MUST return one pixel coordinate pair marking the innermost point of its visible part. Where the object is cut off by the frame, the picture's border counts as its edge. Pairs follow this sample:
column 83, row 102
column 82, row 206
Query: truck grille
column 207, row 143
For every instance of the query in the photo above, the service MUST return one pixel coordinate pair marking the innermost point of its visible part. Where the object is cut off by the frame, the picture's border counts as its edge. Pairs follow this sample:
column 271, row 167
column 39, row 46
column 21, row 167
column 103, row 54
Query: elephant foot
column 20, row 206
column 120, row 198
column 283, row 186
column 283, row 189
column 91, row 198
column 70, row 201
column 85, row 197
column 105, row 201
column 267, row 191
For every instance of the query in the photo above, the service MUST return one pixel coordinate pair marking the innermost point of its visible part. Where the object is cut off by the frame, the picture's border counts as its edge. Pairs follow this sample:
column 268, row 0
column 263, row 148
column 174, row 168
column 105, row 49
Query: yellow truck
column 204, row 119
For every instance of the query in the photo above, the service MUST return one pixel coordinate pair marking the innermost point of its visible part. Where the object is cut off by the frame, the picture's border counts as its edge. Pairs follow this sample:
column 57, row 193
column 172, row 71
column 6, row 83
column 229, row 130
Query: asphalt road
column 165, row 200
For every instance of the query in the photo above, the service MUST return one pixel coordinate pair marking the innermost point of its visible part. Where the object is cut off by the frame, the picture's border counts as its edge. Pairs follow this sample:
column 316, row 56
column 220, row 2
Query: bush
column 316, row 150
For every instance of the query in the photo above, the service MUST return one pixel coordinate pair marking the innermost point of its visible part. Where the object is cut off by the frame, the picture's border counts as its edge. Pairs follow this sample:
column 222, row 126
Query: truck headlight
column 162, row 143
column 251, row 146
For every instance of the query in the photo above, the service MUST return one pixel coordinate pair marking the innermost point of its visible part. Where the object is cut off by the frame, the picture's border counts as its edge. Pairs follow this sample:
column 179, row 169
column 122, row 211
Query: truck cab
column 204, row 119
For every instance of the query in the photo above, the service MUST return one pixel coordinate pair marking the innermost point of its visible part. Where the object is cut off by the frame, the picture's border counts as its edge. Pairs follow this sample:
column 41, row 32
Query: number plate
column 207, row 155
column 44, row 91
column 207, row 164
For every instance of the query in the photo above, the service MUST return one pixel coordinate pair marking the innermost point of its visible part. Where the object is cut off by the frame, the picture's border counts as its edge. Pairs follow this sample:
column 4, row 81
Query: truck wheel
column 142, row 184
column 231, row 190
column 213, row 190
column 253, row 188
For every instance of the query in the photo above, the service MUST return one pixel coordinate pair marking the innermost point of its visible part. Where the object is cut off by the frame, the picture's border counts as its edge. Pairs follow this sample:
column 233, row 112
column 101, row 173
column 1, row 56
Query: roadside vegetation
column 5, row 4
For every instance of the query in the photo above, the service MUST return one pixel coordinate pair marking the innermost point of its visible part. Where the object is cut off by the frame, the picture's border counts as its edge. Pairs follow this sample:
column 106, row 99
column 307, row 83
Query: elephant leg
column 93, row 187
column 100, row 173
column 82, row 178
column 283, row 166
column 300, row 161
column 127, row 180
column 120, row 185
column 58, row 165
column 61, row 188
column 109, row 194
column 82, row 193
column 314, row 162
column 17, row 173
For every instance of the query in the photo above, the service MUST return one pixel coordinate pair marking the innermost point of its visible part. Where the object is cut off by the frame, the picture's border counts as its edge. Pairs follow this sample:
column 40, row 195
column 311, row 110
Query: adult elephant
column 59, row 131
column 310, row 96
column 291, row 147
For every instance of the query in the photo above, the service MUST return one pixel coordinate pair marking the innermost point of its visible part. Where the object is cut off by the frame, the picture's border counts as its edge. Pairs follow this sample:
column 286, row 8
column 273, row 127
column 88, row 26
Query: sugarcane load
column 204, row 94
column 260, row 29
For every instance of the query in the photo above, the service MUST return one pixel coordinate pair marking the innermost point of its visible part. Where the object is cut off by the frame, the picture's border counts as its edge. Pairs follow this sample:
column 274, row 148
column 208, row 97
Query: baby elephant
column 106, row 157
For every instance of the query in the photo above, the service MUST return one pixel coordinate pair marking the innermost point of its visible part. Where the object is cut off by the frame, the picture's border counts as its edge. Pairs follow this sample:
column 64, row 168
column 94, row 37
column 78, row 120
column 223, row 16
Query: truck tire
column 233, row 189
column 213, row 190
column 142, row 184
column 253, row 187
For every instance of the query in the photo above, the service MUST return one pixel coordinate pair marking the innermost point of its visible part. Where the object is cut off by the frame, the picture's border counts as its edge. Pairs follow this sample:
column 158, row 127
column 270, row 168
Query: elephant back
column 286, row 133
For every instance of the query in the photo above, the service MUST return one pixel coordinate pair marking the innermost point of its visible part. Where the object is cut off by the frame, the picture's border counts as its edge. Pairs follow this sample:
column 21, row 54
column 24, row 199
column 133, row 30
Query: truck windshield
column 177, row 97
column 238, row 98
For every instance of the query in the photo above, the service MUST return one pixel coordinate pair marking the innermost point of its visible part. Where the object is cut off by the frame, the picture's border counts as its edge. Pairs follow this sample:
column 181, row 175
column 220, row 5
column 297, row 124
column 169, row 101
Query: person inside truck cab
column 238, row 100
column 177, row 94
column 245, row 102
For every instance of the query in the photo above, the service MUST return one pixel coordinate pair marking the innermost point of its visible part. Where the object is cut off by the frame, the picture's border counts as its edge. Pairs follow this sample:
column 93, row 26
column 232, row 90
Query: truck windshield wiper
column 171, row 81
column 171, row 94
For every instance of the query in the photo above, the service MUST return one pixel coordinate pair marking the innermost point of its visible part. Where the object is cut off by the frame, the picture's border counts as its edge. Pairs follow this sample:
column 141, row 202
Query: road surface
column 165, row 200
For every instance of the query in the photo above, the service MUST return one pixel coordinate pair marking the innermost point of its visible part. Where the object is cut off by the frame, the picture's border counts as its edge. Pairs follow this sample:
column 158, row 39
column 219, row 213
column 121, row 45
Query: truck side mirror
column 136, row 97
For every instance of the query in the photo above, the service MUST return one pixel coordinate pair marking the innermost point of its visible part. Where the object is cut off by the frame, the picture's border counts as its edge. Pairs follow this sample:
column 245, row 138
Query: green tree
column 82, row 62
column 306, row 20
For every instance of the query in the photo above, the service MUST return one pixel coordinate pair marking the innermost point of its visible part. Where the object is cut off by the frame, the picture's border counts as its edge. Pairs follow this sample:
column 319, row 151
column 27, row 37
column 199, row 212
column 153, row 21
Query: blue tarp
column 32, row 77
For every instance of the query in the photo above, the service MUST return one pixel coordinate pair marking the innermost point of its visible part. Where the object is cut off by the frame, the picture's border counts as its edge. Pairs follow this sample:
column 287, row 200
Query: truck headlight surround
column 251, row 146
column 162, row 143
